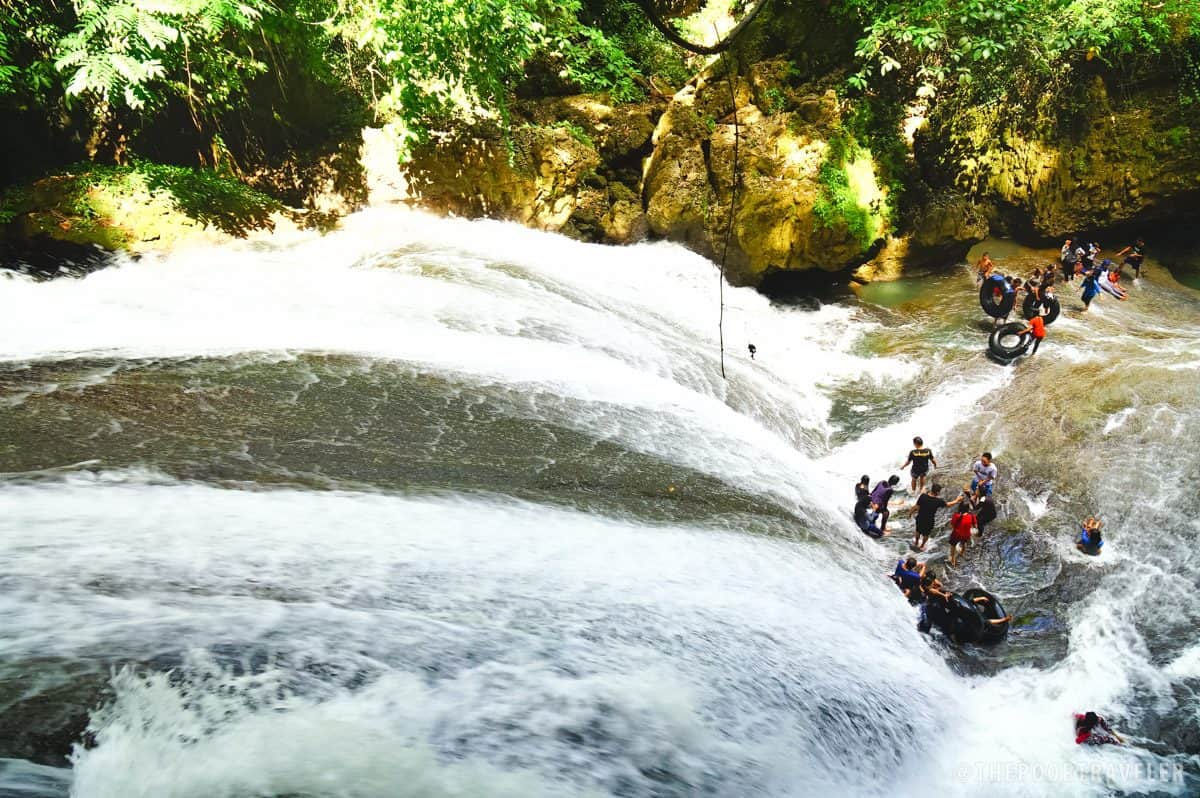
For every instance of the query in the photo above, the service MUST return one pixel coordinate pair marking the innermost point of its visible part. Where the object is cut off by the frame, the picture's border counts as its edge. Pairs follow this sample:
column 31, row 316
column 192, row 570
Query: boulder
column 1123, row 162
column 783, row 218
column 571, row 164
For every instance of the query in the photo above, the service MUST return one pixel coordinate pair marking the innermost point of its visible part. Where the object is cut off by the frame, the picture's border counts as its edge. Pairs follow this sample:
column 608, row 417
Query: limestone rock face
column 689, row 179
column 947, row 224
column 1132, row 161
column 573, row 165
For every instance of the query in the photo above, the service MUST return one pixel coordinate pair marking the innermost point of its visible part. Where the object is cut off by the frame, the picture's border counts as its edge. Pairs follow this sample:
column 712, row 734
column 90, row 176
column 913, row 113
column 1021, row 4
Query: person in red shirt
column 1091, row 729
column 1038, row 328
column 962, row 523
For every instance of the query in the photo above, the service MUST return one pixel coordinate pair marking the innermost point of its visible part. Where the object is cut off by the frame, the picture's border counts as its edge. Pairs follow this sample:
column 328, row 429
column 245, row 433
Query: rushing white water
column 433, row 507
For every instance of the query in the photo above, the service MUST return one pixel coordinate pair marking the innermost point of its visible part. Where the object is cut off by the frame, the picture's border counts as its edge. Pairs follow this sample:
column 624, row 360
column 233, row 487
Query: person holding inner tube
column 934, row 608
column 1007, row 288
column 1045, row 292
column 984, row 601
column 1090, row 540
column 1038, row 328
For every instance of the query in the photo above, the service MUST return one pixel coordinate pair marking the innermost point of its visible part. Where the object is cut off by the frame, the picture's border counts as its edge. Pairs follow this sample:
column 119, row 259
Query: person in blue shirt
column 907, row 576
column 1090, row 287
column 1090, row 539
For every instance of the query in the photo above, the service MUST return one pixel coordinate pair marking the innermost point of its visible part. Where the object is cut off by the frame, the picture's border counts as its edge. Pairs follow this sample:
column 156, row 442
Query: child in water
column 1090, row 540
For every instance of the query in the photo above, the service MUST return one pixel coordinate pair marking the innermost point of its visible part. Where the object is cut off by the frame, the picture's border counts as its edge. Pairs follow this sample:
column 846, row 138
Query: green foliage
column 83, row 198
column 598, row 63
column 577, row 132
column 838, row 204
column 994, row 48
column 8, row 70
column 14, row 201
column 777, row 101
column 29, row 34
column 138, row 54
column 875, row 123
column 626, row 26
column 208, row 197
column 1178, row 136
column 430, row 60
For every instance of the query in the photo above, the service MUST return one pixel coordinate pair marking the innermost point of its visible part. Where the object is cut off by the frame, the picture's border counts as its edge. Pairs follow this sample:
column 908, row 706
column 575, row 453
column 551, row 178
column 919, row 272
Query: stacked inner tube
column 963, row 620
column 992, row 611
column 993, row 300
column 1008, row 342
column 1051, row 308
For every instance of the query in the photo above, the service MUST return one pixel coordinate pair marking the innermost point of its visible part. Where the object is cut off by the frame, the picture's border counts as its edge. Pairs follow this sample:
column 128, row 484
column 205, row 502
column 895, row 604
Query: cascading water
column 431, row 507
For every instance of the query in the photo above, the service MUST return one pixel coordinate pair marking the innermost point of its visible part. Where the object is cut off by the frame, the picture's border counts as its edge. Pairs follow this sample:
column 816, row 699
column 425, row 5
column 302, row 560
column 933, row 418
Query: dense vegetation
column 113, row 74
column 1015, row 49
column 239, row 85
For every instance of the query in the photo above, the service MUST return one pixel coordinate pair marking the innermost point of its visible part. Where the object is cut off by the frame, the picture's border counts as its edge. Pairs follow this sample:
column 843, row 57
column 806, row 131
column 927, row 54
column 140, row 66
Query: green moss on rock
column 134, row 207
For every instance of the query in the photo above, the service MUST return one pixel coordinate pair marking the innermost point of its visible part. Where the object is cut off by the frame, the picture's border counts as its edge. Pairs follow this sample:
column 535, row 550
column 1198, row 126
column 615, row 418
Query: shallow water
column 468, row 509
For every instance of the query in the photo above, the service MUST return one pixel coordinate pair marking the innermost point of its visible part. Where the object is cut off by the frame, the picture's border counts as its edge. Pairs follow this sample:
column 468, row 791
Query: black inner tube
column 1049, row 309
column 1002, row 343
column 968, row 621
column 992, row 611
column 994, row 301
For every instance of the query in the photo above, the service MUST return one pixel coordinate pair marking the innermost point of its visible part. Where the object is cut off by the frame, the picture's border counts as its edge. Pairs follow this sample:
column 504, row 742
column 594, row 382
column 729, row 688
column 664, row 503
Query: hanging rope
column 721, row 46
column 734, row 177
column 700, row 49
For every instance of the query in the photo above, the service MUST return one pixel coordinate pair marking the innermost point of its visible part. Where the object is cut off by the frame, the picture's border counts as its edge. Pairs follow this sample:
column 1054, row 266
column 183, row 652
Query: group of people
column 1040, row 286
column 921, row 586
column 1096, row 274
column 973, row 506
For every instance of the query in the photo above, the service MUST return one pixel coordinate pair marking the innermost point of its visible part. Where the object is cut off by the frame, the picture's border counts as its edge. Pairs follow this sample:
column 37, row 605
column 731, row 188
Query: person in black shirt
column 862, row 496
column 921, row 458
column 1134, row 254
column 926, row 511
column 985, row 513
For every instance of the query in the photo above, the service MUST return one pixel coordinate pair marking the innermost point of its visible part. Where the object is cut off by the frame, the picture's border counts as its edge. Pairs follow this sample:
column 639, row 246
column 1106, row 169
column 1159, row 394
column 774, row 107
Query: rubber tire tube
column 997, row 348
column 996, row 308
column 1051, row 306
column 968, row 620
column 992, row 633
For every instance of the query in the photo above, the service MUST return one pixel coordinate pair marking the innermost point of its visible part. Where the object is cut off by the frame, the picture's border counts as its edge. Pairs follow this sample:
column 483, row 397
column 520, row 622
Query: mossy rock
column 135, row 207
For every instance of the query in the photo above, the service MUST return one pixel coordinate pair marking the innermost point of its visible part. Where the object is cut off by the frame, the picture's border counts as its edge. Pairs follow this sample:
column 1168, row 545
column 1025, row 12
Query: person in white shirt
column 984, row 472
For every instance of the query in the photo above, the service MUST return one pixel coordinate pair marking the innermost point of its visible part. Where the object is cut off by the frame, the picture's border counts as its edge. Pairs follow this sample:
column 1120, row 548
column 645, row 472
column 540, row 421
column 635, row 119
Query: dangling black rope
column 734, row 175
column 721, row 46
